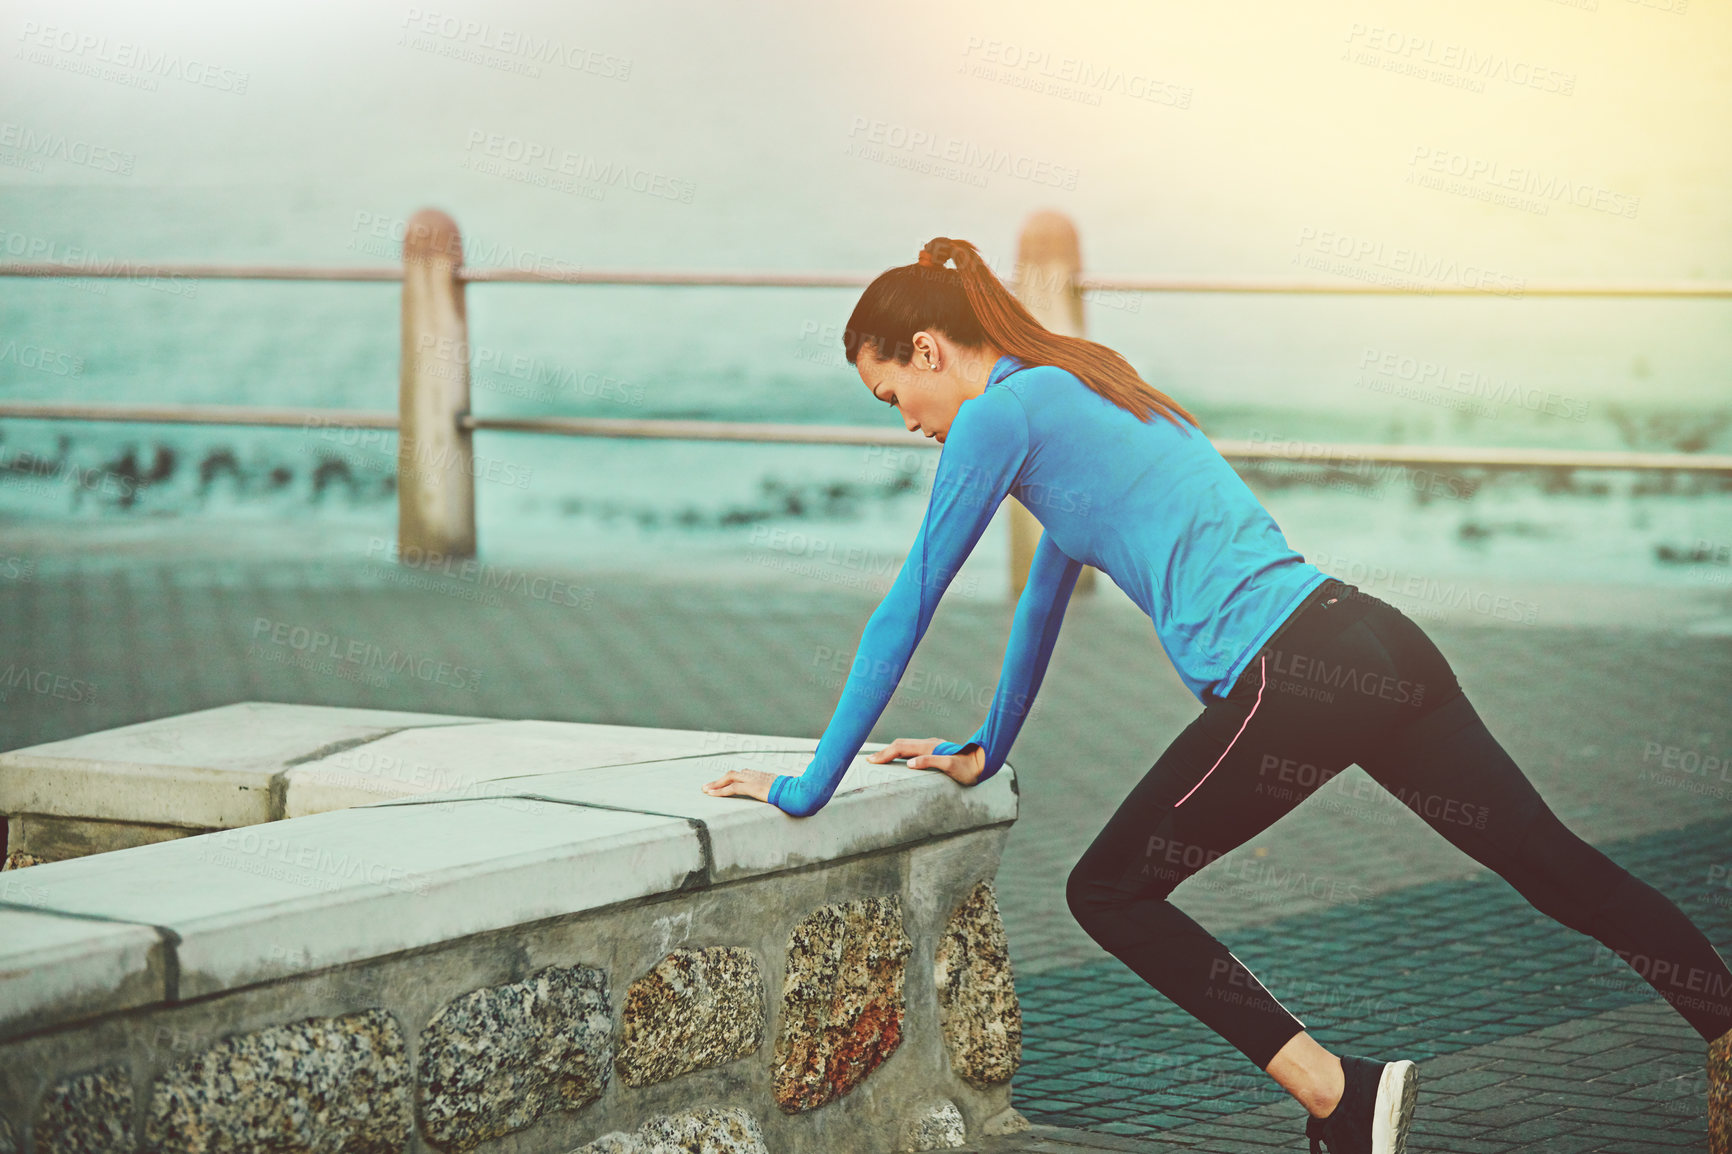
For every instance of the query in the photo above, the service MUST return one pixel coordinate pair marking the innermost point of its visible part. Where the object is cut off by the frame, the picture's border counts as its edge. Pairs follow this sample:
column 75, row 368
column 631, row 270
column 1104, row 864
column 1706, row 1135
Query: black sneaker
column 1375, row 1110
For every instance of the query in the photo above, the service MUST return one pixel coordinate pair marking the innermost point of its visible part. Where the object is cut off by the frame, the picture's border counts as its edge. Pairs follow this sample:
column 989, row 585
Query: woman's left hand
column 964, row 768
column 741, row 783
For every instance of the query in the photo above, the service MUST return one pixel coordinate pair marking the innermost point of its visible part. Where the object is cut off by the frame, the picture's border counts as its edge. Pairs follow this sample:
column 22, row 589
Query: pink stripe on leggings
column 1262, row 680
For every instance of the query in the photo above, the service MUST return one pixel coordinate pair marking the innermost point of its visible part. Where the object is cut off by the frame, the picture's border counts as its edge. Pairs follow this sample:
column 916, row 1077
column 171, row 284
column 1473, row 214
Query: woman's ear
column 927, row 353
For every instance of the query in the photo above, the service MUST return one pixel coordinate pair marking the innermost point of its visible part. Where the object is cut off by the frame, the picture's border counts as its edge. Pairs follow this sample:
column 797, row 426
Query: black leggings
column 1350, row 679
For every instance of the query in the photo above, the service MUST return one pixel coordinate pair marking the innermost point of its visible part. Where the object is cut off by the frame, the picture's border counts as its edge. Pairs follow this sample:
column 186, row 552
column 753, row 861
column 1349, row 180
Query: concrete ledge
column 410, row 762
column 367, row 882
column 253, row 762
column 213, row 769
column 567, row 944
column 38, row 837
column 55, row 969
column 874, row 806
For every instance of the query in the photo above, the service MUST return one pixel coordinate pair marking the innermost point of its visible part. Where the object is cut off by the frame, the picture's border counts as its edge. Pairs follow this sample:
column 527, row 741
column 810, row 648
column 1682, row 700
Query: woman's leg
column 1452, row 772
column 1118, row 889
column 1233, row 772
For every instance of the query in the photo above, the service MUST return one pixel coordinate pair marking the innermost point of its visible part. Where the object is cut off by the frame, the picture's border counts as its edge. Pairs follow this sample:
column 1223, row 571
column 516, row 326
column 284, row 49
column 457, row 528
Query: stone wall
column 771, row 1007
column 831, row 983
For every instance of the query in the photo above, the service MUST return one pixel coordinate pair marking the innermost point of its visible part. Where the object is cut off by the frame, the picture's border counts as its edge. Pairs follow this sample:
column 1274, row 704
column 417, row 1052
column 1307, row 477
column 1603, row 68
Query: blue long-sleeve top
column 1151, row 504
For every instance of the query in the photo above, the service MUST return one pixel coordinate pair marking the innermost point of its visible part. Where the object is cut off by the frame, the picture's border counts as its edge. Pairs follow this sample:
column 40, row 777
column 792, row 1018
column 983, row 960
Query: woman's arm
column 1039, row 612
column 983, row 452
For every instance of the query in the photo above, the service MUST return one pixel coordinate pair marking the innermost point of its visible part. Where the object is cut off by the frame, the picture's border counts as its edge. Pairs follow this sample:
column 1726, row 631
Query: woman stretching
column 1300, row 675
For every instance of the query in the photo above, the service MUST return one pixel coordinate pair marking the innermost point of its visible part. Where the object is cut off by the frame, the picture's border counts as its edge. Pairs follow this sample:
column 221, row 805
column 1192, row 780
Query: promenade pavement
column 1366, row 923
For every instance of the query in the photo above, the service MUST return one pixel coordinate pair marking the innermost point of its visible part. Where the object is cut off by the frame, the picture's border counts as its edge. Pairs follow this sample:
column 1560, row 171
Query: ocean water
column 1322, row 145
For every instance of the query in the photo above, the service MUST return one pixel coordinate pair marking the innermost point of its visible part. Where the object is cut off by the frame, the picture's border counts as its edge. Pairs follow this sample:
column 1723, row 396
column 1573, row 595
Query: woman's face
column 931, row 387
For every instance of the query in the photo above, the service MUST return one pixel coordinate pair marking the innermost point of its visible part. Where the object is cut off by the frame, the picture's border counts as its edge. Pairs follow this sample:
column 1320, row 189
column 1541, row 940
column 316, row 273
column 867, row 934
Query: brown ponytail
column 971, row 306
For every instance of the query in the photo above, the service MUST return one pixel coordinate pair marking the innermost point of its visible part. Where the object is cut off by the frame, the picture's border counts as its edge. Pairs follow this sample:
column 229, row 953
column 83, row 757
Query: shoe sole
column 1393, row 1112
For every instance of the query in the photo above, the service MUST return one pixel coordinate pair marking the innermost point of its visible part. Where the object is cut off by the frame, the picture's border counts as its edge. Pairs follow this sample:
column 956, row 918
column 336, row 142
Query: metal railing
column 715, row 279
column 436, row 505
column 1304, row 452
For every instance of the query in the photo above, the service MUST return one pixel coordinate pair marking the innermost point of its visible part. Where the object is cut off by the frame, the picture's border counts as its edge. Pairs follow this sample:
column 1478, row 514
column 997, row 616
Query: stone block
column 842, row 1001
column 978, row 1009
column 696, row 1008
column 709, row 1131
column 89, row 1113
column 1006, row 1121
column 1719, row 1070
column 309, row 1087
column 938, row 1126
column 495, row 1060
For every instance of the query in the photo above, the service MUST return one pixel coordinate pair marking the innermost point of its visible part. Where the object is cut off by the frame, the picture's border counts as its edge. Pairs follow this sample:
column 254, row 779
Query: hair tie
column 926, row 259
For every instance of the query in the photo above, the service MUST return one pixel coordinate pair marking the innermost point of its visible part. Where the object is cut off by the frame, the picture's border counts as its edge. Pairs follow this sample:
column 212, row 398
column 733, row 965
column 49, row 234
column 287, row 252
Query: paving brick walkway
column 1367, row 923
column 1584, row 1050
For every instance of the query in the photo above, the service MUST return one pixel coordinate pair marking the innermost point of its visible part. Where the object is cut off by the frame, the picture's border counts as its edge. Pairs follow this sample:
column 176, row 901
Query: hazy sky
column 1559, row 140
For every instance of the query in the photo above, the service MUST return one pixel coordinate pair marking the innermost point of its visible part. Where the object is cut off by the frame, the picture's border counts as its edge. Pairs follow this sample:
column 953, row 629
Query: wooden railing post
column 435, row 453
column 1048, row 269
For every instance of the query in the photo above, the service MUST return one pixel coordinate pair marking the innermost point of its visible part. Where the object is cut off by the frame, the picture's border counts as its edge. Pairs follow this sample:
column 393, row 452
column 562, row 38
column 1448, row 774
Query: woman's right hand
column 964, row 768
